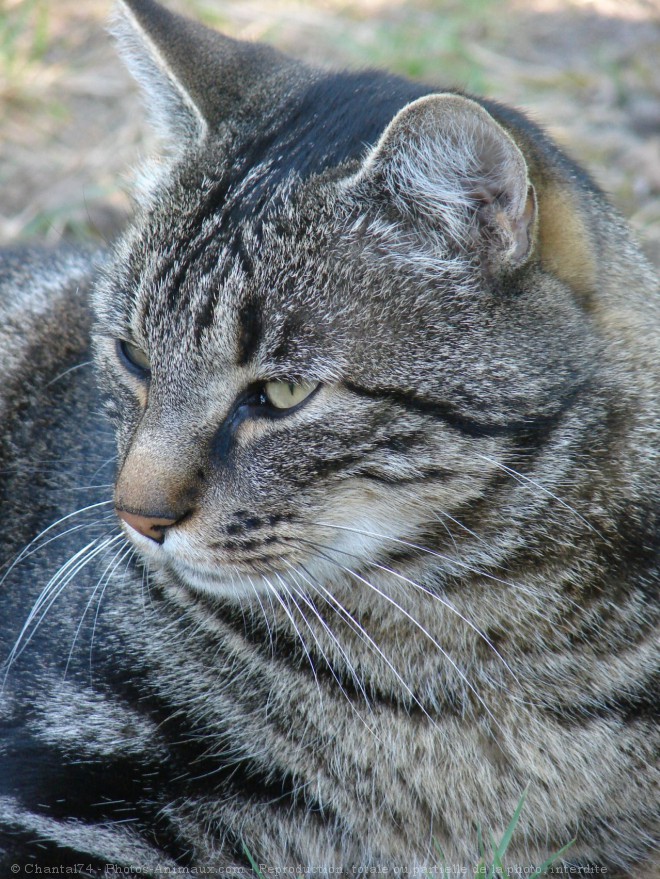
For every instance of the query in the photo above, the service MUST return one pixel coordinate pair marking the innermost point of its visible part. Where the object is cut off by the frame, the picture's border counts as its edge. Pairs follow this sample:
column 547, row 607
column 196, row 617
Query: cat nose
column 158, row 484
column 149, row 526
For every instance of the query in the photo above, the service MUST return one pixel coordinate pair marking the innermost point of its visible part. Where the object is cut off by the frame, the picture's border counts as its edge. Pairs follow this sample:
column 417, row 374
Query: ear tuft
column 445, row 162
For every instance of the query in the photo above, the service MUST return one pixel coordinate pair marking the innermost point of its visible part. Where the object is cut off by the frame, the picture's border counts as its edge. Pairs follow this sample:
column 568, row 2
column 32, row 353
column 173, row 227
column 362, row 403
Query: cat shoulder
column 44, row 311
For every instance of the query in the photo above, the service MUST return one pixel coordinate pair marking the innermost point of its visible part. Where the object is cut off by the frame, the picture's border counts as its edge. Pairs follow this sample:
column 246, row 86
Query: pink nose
column 149, row 526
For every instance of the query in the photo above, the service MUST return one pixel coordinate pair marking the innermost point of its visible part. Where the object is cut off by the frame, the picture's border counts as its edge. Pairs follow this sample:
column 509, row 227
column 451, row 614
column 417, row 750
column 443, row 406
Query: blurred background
column 72, row 127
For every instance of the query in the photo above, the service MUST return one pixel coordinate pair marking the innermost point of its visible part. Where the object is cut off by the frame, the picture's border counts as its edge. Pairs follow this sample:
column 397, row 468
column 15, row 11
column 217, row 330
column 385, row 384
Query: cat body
column 379, row 368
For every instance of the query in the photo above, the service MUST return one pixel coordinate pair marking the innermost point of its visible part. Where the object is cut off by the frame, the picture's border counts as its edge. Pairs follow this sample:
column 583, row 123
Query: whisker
column 265, row 615
column 21, row 555
column 313, row 634
column 144, row 587
column 109, row 460
column 131, row 553
column 448, row 530
column 470, row 568
column 94, row 524
column 338, row 608
column 327, row 661
column 51, row 592
column 334, row 639
column 522, row 479
column 286, row 610
column 424, row 631
column 105, row 486
column 84, row 613
column 445, row 515
column 443, row 601
column 66, row 372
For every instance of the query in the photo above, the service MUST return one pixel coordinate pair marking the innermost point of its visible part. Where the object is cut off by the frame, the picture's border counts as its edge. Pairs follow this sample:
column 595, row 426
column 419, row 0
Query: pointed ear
column 444, row 163
column 194, row 77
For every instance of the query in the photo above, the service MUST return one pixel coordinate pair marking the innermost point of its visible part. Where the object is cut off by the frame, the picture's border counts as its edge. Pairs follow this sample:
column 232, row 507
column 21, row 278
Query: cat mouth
column 221, row 577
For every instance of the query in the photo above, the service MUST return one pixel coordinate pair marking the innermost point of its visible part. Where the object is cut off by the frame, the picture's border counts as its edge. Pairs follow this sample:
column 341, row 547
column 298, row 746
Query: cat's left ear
column 194, row 78
column 447, row 166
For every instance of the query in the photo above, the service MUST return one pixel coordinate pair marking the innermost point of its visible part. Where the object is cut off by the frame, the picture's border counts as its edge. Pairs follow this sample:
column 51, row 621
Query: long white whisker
column 45, row 596
column 265, row 615
column 105, row 486
column 28, row 554
column 470, row 568
column 104, row 464
column 424, row 631
column 332, row 636
column 447, row 529
column 338, row 608
column 437, row 513
column 66, row 372
column 84, row 613
column 102, row 584
column 443, row 601
column 21, row 555
column 51, row 592
column 313, row 634
column 329, row 664
column 521, row 478
column 286, row 610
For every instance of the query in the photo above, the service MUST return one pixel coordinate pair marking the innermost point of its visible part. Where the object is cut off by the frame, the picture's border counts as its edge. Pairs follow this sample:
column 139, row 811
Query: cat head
column 329, row 318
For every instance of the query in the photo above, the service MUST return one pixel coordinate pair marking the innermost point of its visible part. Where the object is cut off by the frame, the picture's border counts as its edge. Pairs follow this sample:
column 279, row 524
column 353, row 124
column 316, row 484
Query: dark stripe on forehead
column 236, row 254
column 249, row 330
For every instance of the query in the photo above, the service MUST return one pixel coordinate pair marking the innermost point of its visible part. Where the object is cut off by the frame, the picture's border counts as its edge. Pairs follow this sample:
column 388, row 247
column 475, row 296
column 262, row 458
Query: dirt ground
column 72, row 126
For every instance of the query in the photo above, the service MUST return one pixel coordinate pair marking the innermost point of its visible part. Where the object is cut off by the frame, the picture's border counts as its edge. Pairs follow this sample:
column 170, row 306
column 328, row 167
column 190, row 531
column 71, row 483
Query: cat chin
column 218, row 584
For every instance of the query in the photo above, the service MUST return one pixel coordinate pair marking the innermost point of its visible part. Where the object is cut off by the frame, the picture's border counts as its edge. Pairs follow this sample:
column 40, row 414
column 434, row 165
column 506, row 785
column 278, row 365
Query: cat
column 348, row 536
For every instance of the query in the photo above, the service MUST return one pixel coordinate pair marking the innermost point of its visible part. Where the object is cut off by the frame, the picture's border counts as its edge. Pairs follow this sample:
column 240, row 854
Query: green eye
column 286, row 395
column 134, row 357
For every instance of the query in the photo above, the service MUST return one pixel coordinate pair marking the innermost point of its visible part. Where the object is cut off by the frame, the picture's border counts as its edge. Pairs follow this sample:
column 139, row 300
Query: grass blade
column 252, row 861
column 547, row 864
column 508, row 833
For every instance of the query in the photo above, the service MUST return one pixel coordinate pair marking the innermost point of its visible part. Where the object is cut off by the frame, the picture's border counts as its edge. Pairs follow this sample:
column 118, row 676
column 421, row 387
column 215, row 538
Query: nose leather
column 149, row 526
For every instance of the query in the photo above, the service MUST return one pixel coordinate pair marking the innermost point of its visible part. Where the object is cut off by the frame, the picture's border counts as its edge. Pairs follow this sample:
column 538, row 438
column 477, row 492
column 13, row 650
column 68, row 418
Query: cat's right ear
column 448, row 169
column 194, row 78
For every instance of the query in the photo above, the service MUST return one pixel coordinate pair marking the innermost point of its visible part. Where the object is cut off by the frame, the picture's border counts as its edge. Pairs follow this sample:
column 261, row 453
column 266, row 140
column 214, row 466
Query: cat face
column 309, row 362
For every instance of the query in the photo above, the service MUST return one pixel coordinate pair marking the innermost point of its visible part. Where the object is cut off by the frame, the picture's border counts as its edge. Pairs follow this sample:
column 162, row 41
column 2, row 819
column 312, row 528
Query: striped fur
column 382, row 615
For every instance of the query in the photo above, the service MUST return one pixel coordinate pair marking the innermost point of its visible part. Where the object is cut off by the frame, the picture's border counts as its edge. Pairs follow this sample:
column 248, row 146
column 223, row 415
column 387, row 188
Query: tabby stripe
column 393, row 479
column 178, row 275
column 195, row 770
column 282, row 645
column 250, row 323
column 467, row 425
column 642, row 704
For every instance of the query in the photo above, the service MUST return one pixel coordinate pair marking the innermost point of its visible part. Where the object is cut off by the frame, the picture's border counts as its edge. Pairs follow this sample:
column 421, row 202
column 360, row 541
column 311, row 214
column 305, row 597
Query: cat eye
column 286, row 395
column 134, row 357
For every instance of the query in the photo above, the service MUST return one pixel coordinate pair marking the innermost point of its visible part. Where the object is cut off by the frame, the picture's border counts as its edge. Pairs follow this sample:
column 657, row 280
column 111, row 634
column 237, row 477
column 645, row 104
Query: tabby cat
column 356, row 538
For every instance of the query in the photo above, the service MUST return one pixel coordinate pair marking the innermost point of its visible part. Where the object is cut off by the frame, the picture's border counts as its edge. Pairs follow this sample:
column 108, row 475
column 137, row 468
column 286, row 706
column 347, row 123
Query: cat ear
column 194, row 77
column 444, row 162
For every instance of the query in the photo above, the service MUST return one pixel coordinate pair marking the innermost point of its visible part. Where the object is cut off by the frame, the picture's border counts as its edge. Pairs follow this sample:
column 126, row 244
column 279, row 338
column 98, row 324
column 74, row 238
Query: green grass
column 23, row 43
column 429, row 43
column 491, row 863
